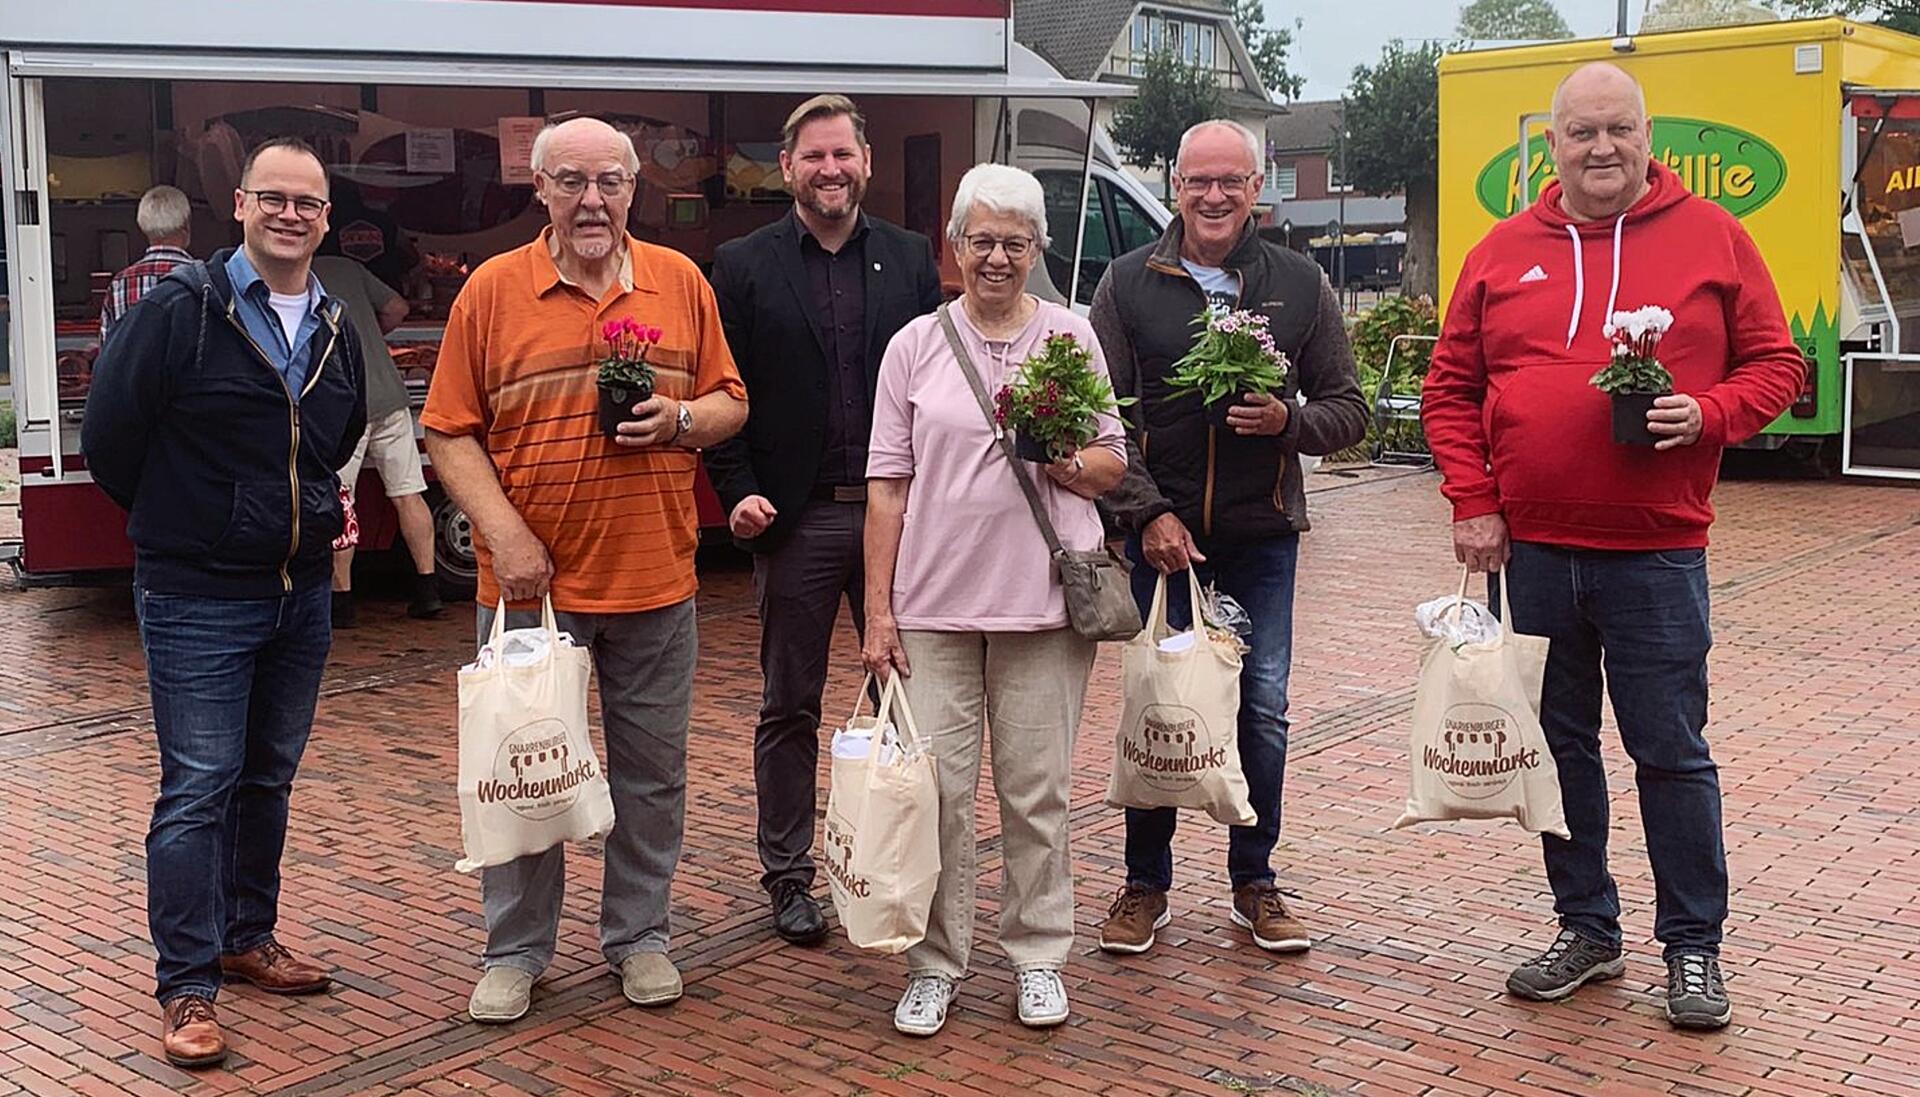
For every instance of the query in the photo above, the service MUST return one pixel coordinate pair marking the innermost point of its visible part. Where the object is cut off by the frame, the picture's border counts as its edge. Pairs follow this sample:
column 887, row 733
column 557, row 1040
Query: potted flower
column 1054, row 400
column 625, row 378
column 1634, row 378
column 1234, row 356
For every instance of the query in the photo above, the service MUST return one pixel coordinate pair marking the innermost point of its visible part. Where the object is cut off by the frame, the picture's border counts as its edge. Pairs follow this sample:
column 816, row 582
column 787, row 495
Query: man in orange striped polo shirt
column 606, row 527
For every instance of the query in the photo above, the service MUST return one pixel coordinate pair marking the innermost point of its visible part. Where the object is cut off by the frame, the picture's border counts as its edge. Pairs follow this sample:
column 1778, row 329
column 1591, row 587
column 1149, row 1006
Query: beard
column 820, row 206
column 593, row 247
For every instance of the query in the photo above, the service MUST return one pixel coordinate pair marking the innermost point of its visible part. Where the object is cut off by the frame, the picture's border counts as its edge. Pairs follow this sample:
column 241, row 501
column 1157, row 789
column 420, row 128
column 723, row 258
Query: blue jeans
column 1643, row 617
column 234, row 683
column 1258, row 575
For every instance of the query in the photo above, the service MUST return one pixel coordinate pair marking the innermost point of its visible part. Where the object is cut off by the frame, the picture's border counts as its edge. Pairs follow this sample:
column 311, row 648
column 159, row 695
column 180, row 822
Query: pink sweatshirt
column 971, row 556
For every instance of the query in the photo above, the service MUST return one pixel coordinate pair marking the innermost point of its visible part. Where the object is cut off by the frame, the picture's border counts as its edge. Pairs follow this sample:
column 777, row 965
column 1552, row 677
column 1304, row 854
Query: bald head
column 584, row 175
column 1601, row 80
column 1601, row 140
column 583, row 136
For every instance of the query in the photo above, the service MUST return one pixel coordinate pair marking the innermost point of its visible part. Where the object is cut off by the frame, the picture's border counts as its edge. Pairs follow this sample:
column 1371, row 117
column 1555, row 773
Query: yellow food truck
column 1808, row 131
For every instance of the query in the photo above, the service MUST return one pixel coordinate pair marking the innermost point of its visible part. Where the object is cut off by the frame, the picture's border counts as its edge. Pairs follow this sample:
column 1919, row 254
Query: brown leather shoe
column 275, row 970
column 1259, row 909
column 1135, row 916
column 191, row 1036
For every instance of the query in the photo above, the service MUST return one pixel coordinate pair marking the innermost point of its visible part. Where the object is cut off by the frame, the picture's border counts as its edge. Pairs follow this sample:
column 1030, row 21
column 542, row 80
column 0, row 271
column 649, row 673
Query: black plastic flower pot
column 1217, row 410
column 1028, row 448
column 1630, row 418
column 616, row 405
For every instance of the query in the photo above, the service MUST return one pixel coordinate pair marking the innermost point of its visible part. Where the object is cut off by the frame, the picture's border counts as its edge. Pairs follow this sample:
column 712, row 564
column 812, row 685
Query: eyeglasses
column 273, row 204
column 1230, row 185
column 573, row 184
column 1016, row 247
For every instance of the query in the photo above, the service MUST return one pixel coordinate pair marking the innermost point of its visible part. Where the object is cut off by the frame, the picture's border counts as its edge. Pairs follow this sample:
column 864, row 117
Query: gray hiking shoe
column 1568, row 963
column 1696, row 995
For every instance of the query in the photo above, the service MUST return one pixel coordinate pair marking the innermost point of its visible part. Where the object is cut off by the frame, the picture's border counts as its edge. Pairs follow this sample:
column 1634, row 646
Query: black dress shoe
column 796, row 916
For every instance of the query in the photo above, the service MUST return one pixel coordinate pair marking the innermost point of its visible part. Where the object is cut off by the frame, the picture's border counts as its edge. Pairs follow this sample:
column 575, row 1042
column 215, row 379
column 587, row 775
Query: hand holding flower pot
column 1634, row 378
column 625, row 378
column 1054, row 401
column 1235, row 356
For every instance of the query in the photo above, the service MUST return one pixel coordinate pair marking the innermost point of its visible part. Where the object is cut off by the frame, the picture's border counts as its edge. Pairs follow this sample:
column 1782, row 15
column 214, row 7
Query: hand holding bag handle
column 1100, row 603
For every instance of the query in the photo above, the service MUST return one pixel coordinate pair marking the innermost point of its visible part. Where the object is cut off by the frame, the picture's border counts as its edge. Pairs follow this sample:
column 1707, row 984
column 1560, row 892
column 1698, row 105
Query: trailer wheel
column 453, row 556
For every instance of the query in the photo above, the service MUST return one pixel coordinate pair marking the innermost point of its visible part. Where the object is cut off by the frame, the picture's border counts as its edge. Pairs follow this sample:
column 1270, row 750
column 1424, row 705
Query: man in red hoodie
column 1604, row 545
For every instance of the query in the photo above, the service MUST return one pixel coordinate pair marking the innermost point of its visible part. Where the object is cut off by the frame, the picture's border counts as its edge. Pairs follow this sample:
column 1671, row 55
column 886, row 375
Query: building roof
column 1304, row 127
column 1361, row 210
column 1075, row 36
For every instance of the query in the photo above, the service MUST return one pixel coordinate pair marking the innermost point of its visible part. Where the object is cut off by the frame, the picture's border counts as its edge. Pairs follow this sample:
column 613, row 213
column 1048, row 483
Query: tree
column 1900, row 15
column 1172, row 96
column 1268, row 47
column 1392, row 144
column 1686, row 14
column 1511, row 20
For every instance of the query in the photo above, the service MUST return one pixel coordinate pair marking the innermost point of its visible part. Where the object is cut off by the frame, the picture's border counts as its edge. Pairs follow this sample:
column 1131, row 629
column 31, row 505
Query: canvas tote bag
column 1179, row 740
column 882, row 852
column 529, row 779
column 1478, row 751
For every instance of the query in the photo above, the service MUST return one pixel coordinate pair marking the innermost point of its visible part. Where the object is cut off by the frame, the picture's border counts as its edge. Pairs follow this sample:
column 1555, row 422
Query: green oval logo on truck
column 1729, row 166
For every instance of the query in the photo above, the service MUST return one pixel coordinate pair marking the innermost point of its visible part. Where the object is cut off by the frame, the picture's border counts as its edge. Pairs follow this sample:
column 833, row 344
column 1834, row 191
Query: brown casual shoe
column 191, row 1034
column 275, row 970
column 1136, row 913
column 1259, row 909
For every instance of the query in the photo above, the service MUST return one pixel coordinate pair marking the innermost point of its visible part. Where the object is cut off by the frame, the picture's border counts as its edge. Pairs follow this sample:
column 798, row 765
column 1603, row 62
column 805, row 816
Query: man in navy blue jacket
column 221, row 406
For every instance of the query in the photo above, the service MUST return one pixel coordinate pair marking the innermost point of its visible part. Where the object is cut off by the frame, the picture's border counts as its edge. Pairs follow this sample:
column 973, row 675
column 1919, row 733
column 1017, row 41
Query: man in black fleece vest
column 220, row 408
column 1227, row 501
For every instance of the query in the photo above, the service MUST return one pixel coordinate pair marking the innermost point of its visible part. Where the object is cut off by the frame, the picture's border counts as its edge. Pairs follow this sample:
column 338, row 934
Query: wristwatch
column 685, row 423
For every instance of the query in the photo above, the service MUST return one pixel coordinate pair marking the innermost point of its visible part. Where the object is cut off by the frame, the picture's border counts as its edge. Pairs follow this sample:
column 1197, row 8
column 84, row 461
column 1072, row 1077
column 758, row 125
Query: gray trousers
column 799, row 587
column 644, row 663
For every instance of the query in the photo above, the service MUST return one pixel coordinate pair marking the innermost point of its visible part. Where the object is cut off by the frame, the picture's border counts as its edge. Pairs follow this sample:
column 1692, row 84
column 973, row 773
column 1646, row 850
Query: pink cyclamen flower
column 610, row 330
column 653, row 335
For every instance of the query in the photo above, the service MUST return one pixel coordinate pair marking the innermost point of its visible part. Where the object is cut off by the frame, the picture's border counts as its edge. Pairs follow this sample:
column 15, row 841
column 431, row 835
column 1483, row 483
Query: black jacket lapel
column 796, row 271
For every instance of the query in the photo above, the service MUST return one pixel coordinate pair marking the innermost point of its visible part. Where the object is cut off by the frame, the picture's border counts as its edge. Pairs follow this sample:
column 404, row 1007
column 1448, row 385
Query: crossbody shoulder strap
column 999, row 435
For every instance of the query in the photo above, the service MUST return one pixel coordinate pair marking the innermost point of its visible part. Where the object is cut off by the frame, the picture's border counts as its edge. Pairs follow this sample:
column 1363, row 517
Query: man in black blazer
column 809, row 304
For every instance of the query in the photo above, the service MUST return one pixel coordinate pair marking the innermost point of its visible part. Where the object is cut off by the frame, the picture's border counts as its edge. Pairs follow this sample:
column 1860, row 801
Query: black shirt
column 839, row 281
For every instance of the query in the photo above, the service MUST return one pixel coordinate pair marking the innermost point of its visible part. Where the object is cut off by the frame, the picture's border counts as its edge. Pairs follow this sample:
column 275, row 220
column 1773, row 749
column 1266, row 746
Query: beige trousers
column 1027, row 688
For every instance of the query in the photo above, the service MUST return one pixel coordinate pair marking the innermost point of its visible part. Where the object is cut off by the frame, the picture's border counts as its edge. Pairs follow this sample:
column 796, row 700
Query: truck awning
column 497, row 72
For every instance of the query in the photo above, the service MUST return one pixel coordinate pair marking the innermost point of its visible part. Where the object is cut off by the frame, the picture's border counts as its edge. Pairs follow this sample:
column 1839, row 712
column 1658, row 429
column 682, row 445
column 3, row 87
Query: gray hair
column 164, row 213
column 999, row 188
column 629, row 155
column 1247, row 135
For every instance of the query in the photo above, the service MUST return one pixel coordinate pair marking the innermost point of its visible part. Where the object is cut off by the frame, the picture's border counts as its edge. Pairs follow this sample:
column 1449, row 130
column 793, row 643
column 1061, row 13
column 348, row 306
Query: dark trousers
column 233, row 683
column 799, row 586
column 1642, row 618
column 1259, row 575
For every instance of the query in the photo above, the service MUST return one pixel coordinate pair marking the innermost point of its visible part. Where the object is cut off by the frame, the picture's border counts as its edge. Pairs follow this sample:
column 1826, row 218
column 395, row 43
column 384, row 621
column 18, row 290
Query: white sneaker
column 1043, row 998
column 923, row 1008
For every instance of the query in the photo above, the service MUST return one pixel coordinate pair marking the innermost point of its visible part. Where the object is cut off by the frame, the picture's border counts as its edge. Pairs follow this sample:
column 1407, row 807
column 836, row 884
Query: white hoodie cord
column 1579, row 284
column 1580, row 278
column 1613, row 291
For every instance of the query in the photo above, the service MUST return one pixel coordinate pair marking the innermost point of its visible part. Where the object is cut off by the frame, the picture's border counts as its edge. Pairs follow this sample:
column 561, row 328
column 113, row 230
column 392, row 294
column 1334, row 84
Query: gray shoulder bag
column 1099, row 601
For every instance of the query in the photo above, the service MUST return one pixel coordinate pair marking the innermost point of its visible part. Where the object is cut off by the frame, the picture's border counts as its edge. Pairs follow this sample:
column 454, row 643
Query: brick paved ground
column 1817, row 721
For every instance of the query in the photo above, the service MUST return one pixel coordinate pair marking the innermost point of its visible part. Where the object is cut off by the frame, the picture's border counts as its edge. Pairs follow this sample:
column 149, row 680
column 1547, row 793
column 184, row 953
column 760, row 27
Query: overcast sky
column 1336, row 35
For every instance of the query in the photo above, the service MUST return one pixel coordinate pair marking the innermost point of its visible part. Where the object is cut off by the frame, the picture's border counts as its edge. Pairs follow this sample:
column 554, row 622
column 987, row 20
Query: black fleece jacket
column 228, row 479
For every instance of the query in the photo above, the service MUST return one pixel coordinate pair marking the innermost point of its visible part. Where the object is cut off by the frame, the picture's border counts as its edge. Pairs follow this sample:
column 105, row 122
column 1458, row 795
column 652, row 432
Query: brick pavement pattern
column 1816, row 721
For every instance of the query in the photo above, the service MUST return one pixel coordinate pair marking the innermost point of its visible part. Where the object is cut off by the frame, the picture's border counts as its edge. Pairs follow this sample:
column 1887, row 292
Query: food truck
column 1808, row 131
column 424, row 112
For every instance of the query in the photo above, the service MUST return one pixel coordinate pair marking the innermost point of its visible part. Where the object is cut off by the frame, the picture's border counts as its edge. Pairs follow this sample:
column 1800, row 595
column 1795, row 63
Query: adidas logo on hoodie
column 1533, row 275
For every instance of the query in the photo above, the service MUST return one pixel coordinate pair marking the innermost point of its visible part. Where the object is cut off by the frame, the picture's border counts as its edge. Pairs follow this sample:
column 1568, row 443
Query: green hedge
column 1371, row 333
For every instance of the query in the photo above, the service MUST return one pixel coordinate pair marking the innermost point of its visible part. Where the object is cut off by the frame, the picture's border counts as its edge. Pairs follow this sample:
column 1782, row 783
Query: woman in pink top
column 963, row 602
